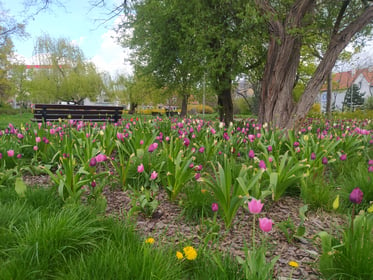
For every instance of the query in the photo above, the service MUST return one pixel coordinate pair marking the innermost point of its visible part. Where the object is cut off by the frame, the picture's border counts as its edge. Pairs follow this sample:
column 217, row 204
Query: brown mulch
column 169, row 226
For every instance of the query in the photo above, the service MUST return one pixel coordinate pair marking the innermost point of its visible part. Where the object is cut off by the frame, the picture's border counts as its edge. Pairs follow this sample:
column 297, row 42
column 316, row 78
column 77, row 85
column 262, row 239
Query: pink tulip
column 101, row 158
column 10, row 153
column 265, row 224
column 19, row 156
column 269, row 148
column 201, row 150
column 140, row 168
column 35, row 148
column 154, row 175
column 255, row 206
column 152, row 147
column 37, row 139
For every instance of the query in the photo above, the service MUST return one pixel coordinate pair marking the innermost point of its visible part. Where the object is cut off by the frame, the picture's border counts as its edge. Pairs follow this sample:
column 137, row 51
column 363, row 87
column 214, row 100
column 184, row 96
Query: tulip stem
column 253, row 237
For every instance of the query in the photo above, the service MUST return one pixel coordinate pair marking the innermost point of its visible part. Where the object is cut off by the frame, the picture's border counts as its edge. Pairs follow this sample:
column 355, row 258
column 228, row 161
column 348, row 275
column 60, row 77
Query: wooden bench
column 94, row 113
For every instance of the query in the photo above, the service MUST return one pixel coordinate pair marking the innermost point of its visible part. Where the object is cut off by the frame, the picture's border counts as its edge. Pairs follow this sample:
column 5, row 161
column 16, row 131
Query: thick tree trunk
column 132, row 109
column 226, row 99
column 184, row 106
column 277, row 106
column 337, row 44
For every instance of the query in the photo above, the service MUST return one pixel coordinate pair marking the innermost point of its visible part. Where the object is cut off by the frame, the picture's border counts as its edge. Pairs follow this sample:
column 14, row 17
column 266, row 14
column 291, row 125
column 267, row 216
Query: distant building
column 342, row 81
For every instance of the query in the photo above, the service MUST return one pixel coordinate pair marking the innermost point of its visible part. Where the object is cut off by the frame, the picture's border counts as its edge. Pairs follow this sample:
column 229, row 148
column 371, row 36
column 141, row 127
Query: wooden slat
column 54, row 112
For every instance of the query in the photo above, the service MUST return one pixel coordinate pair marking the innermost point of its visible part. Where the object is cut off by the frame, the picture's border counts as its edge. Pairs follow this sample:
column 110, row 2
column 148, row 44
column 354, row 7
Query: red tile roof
column 343, row 80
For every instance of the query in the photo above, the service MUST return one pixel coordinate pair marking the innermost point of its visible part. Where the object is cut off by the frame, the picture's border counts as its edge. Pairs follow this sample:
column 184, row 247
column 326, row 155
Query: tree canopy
column 66, row 74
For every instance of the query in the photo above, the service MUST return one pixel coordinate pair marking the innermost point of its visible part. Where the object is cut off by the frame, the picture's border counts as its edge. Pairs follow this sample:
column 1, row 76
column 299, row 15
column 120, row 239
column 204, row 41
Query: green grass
column 42, row 238
column 17, row 119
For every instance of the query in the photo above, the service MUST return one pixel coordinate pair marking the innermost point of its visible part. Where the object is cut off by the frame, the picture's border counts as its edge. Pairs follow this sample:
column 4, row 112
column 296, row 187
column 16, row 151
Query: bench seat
column 95, row 113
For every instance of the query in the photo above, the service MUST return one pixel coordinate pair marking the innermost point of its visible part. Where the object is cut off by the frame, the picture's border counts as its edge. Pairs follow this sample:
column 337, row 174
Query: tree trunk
column 184, row 106
column 226, row 100
column 225, row 103
column 132, row 109
column 337, row 44
column 277, row 106
column 329, row 96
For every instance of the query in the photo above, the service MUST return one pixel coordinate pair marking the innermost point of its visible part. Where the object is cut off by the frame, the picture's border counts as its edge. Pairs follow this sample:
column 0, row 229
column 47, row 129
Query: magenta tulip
column 356, row 196
column 324, row 160
column 214, row 207
column 262, row 165
column 251, row 154
column 92, row 162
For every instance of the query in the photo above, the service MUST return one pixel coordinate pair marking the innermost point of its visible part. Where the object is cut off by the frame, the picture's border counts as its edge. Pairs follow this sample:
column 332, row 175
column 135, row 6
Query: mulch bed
column 168, row 226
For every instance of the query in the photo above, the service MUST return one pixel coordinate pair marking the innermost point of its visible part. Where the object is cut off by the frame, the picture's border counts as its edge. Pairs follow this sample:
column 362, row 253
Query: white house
column 341, row 82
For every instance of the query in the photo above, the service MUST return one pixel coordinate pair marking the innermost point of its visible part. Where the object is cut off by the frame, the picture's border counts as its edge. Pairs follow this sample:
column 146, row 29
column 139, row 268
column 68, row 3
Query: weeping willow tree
column 63, row 73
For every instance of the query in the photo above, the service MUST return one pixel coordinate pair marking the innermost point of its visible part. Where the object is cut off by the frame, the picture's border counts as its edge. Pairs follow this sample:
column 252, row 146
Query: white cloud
column 112, row 57
column 78, row 42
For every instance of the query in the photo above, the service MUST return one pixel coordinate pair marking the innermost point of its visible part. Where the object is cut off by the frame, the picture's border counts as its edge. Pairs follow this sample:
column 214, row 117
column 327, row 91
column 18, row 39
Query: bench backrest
column 54, row 112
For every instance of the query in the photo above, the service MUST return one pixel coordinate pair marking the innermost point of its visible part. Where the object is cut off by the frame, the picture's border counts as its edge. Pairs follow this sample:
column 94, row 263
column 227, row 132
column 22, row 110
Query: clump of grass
column 46, row 242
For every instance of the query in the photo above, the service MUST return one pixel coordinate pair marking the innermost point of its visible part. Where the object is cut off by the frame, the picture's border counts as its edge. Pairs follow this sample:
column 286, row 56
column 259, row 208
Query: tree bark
column 277, row 106
column 337, row 44
column 184, row 105
column 329, row 96
column 132, row 109
column 283, row 58
column 225, row 103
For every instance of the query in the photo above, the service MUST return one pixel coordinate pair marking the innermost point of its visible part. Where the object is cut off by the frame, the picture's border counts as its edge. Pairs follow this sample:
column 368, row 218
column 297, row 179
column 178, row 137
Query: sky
column 78, row 23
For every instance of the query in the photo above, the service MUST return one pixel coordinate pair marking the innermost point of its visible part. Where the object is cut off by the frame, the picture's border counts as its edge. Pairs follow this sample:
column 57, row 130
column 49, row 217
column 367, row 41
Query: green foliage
column 177, row 167
column 368, row 104
column 67, row 75
column 241, row 106
column 348, row 256
column 290, row 230
column 226, row 190
column 255, row 264
column 197, row 204
column 353, row 99
column 46, row 242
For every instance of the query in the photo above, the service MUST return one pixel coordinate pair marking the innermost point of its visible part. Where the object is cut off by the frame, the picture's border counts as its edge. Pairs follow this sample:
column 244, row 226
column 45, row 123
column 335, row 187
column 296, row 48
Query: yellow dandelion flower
column 293, row 264
column 370, row 209
column 190, row 253
column 203, row 191
column 179, row 255
column 150, row 240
